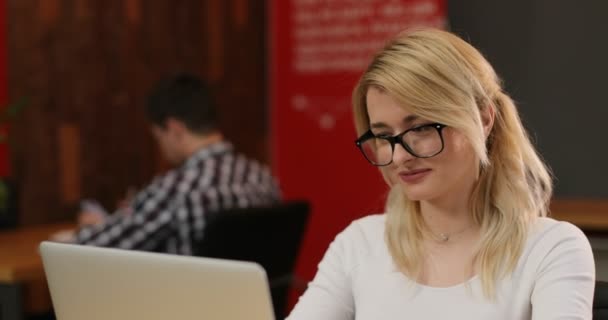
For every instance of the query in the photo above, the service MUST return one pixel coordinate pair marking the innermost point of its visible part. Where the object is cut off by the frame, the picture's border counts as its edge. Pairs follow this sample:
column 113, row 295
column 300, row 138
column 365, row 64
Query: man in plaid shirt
column 169, row 214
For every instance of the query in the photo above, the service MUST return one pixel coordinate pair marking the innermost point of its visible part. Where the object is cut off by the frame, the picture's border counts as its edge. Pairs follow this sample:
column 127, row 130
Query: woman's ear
column 487, row 119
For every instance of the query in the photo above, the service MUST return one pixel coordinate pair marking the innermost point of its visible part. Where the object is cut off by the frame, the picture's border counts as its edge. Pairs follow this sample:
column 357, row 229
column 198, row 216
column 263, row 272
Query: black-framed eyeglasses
column 424, row 141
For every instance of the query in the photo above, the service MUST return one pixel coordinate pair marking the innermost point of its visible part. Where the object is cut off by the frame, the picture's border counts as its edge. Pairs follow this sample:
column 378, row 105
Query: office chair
column 270, row 236
column 600, row 301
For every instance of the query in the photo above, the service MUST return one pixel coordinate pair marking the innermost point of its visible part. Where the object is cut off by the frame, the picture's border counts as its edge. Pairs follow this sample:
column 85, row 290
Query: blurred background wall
column 552, row 57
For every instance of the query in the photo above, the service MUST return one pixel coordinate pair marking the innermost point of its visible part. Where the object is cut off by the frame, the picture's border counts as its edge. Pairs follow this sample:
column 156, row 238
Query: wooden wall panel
column 242, row 92
column 240, row 13
column 215, row 45
column 89, row 64
column 69, row 163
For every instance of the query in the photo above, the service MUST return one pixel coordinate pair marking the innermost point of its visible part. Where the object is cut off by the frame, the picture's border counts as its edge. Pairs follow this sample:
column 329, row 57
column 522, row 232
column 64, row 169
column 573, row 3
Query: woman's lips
column 413, row 176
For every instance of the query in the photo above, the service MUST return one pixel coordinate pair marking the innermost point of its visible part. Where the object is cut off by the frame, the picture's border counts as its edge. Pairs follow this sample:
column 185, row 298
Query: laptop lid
column 94, row 283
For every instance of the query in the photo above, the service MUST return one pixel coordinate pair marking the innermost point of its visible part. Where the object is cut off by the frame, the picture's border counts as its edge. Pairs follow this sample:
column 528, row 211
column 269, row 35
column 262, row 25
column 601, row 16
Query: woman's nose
column 401, row 155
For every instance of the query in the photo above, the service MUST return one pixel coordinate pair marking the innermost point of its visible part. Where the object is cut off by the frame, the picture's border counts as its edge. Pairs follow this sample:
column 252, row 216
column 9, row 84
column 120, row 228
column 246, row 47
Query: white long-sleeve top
column 357, row 279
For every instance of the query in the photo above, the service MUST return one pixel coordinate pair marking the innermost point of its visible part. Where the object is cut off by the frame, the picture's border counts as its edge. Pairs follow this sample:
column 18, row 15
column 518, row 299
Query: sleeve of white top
column 329, row 295
column 565, row 278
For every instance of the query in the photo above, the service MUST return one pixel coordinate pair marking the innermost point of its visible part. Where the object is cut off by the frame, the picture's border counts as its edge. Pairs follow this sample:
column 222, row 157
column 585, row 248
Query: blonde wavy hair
column 442, row 78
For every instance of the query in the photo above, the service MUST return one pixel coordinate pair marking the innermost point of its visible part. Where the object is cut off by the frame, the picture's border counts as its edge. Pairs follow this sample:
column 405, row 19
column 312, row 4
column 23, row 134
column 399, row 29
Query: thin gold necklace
column 445, row 237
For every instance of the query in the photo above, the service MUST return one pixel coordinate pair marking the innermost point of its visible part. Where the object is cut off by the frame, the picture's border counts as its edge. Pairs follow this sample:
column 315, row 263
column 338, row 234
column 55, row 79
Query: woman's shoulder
column 552, row 238
column 549, row 230
column 364, row 237
column 372, row 221
column 367, row 228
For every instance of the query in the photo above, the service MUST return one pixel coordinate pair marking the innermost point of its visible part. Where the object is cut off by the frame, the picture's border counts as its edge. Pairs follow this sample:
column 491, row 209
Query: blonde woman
column 465, row 233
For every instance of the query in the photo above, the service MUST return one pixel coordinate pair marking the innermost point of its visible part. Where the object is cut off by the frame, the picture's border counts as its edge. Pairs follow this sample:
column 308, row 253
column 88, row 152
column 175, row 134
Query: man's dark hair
column 184, row 97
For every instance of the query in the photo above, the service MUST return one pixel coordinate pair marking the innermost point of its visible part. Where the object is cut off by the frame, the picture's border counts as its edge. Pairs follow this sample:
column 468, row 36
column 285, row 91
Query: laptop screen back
column 100, row 283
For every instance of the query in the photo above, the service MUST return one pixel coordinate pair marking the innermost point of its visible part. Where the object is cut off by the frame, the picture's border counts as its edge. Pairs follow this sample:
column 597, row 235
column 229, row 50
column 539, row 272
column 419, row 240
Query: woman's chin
column 417, row 196
column 417, row 193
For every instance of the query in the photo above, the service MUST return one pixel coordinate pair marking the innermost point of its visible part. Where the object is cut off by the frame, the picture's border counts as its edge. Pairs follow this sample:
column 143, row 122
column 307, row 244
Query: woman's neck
column 447, row 217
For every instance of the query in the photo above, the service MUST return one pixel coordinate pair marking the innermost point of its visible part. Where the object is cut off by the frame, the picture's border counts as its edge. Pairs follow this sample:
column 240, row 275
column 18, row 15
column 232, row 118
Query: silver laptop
column 99, row 283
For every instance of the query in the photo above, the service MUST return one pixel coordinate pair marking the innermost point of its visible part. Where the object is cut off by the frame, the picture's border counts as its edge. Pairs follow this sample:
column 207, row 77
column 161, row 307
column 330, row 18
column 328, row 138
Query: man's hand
column 88, row 218
column 126, row 201
column 66, row 236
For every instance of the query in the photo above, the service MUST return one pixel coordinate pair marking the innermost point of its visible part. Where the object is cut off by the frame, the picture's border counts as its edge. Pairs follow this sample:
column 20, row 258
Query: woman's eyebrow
column 379, row 125
column 407, row 120
column 411, row 118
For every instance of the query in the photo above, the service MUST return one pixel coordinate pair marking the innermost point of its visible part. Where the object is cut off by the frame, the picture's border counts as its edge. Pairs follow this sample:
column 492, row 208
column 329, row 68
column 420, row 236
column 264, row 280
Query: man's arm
column 145, row 224
column 144, row 229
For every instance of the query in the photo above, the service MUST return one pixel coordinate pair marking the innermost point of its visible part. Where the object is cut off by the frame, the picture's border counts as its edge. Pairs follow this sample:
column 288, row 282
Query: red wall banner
column 318, row 49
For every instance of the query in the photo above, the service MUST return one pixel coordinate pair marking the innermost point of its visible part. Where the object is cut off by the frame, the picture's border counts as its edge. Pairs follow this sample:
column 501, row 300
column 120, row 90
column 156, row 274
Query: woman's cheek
column 388, row 177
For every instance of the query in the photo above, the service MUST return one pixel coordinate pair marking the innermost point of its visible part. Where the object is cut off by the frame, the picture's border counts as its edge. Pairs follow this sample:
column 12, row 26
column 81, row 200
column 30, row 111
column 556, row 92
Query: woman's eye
column 383, row 135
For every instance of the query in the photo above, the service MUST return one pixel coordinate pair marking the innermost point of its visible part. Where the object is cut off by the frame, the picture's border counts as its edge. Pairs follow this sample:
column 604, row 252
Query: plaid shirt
column 169, row 214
